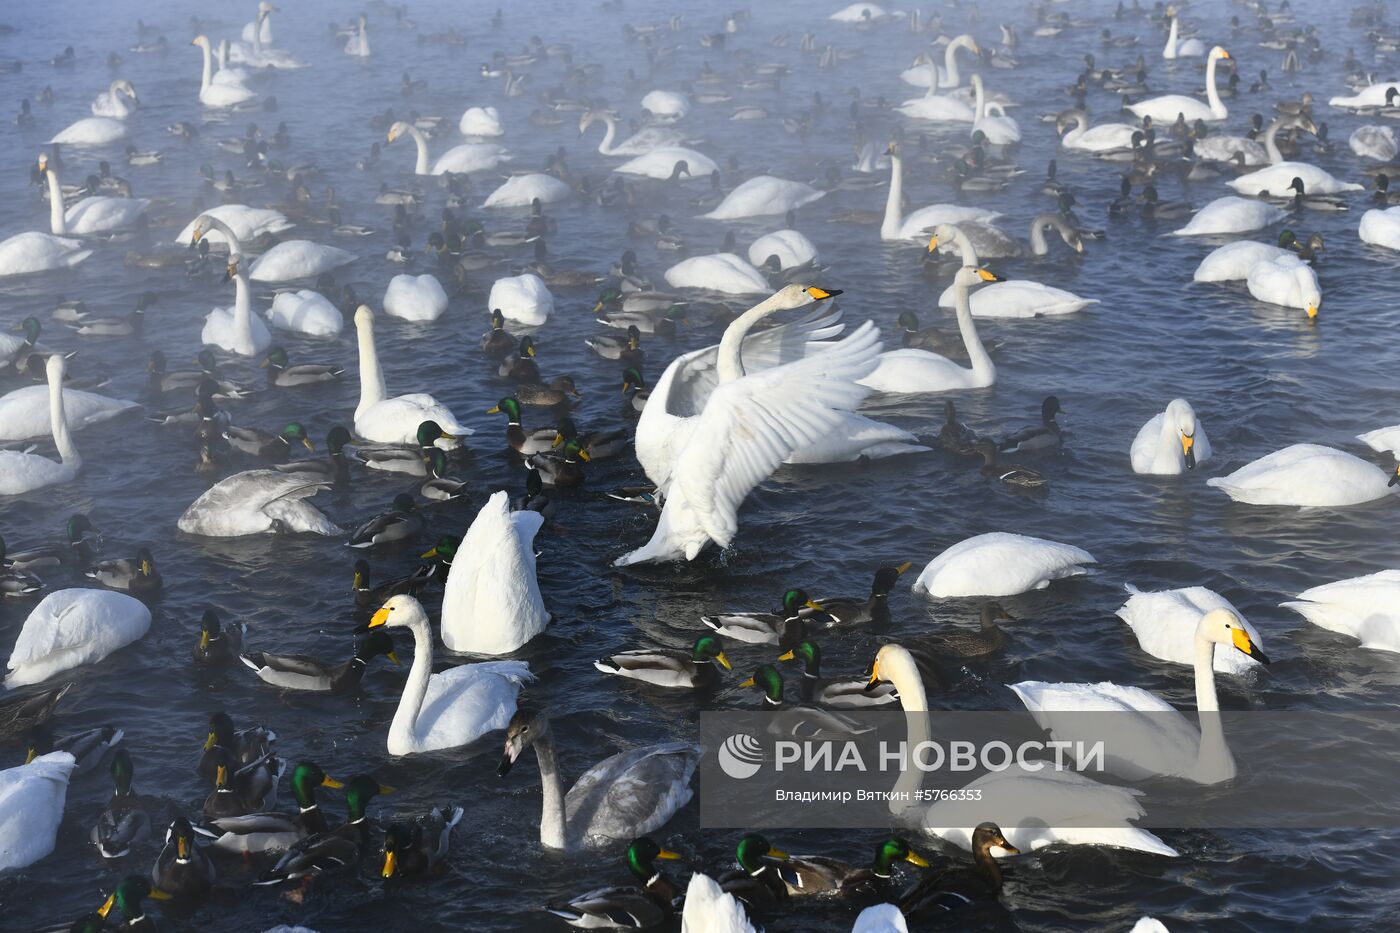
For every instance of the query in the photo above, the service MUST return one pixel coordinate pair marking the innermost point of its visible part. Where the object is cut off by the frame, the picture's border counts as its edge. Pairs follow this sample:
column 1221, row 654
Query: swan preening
column 1307, row 475
column 1171, row 442
column 73, row 627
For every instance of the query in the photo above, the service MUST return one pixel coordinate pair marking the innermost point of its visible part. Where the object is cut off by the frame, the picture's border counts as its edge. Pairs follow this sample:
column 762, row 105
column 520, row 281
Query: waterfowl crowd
column 787, row 359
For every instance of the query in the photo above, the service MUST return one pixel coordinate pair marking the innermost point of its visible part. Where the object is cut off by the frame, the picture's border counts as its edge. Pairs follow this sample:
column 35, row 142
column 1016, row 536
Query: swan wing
column 491, row 602
column 464, row 703
column 1000, row 564
column 32, row 797
column 632, row 793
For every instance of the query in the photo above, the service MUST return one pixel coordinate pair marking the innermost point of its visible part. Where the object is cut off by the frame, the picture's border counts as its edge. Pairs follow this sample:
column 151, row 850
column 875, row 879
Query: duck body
column 1000, row 564
column 73, row 627
column 1305, row 475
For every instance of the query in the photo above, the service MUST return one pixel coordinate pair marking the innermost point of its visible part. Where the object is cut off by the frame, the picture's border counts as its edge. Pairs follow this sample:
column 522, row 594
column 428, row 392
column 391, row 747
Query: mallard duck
column 76, row 551
column 248, row 746
column 89, row 748
column 403, row 458
column 841, row 693
column 988, row 639
column 15, row 584
column 182, row 870
column 850, row 610
column 217, row 644
column 1008, row 473
column 756, row 881
column 676, row 669
column 1044, row 436
column 955, row 436
column 442, row 554
column 276, row 447
column 521, row 441
column 439, row 487
column 814, row 874
column 301, row 672
column 626, row 907
column 19, row 714
column 535, row 499
column 251, row 788
column 402, row 522
column 414, row 848
column 282, row 374
column 136, row 576
column 782, row 627
column 125, row 822
column 662, row 323
column 521, row 366
column 552, row 394
column 951, row 889
column 563, row 471
column 498, row 342
column 274, row 832
column 333, row 468
column 337, row 848
column 183, row 379
column 627, row 349
column 599, row 445
column 373, row 596
column 803, row 720
column 127, row 898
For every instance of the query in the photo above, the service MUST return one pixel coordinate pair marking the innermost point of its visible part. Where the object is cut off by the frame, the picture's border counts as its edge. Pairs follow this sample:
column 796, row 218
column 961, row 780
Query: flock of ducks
column 784, row 385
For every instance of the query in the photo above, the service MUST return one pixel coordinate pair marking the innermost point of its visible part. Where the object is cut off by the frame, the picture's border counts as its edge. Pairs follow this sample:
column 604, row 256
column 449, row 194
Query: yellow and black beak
column 1312, row 312
column 988, row 275
column 821, row 294
column 390, row 865
column 724, row 661
column 932, row 243
column 1242, row 641
column 874, row 676
column 1224, row 54
column 1188, row 449
column 380, row 617
column 914, row 858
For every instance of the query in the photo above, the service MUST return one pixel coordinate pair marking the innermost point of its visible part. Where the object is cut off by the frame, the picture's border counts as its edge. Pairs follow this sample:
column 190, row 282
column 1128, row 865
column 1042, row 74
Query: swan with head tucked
column 1166, row 108
column 623, row 796
column 118, row 101
column 639, row 143
column 998, row 128
column 1160, row 742
column 934, row 107
column 1233, row 261
column 1018, row 298
column 1165, row 624
column 415, row 298
column 393, row 420
column 762, row 195
column 215, row 95
column 523, row 298
column 751, row 422
column 669, row 162
column 258, row 502
column 237, row 329
column 92, row 131
column 1280, row 173
column 454, row 707
column 1287, row 281
column 306, row 312
column 1076, row 133
column 292, row 260
column 481, row 121
column 1171, row 442
column 31, row 251
column 719, row 272
column 1377, row 227
column 1180, row 48
column 1000, row 564
column 22, row 472
column 459, row 160
column 1375, row 143
column 917, row 225
column 1306, row 475
column 669, row 105
column 1364, row 608
column 1034, row 808
column 92, row 215
column 32, row 797
column 914, row 370
column 524, row 190
column 73, row 627
column 790, row 247
column 948, row 75
column 1231, row 215
column 491, row 602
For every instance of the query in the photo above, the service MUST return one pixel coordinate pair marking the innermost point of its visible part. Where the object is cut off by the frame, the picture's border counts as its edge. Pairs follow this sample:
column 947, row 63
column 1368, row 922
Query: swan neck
column 894, row 201
column 1204, row 663
column 1170, row 50
column 1217, row 108
column 58, row 221
column 980, row 97
column 553, row 827
column 372, row 389
column 730, row 364
column 421, row 143
column 1039, row 246
column 1214, row 762
column 1271, row 142
column 969, row 252
column 982, row 364
column 243, row 309
column 950, row 62
column 932, row 80
column 914, row 699
column 58, row 423
column 208, row 67
column 416, row 688
column 609, row 136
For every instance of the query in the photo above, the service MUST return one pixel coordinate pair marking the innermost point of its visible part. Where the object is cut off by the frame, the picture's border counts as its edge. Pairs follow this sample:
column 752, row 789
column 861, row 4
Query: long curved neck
column 372, row 389
column 980, row 96
column 1212, row 95
column 1213, row 761
column 257, row 33
column 609, row 137
column 58, row 221
column 730, row 364
column 1271, row 142
column 421, row 142
column 976, row 353
column 932, row 80
column 1170, row 50
column 950, row 62
column 910, row 687
column 1039, row 246
column 208, row 67
column 1081, row 126
column 58, row 423
column 242, row 308
column 553, row 825
column 894, row 201
column 965, row 247
column 364, row 37
column 416, row 688
column 223, row 54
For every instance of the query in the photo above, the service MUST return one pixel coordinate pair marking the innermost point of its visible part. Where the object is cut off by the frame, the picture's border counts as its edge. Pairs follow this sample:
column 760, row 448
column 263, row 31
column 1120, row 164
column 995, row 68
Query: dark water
column 1261, row 378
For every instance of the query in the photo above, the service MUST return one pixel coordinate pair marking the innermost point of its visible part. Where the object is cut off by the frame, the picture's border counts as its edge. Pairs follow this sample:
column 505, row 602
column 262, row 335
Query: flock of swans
column 790, row 383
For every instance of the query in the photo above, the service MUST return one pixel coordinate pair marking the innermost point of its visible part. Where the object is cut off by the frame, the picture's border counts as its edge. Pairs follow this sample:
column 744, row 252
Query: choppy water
column 1261, row 378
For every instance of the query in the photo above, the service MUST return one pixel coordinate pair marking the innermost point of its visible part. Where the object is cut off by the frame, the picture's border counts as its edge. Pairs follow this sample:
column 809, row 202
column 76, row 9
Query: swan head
column 399, row 611
column 1218, row 53
column 968, row 276
column 525, row 729
column 796, row 295
column 364, row 318
column 54, row 369
column 1182, row 419
column 231, row 272
column 398, row 129
column 1223, row 627
column 894, row 664
column 201, row 41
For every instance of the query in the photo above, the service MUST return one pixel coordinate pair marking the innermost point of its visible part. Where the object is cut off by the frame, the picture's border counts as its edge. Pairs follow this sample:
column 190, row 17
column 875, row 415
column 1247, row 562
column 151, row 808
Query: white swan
column 948, row 75
column 236, row 329
column 718, row 272
column 663, row 162
column 1276, row 177
column 237, row 223
column 1376, row 143
column 686, row 384
column 28, row 413
column 32, row 797
column 793, row 249
column 1161, row 741
column 257, row 502
column 524, row 190
column 31, row 251
column 524, row 299
column 1233, row 261
column 415, row 298
column 1287, row 281
column 74, row 627
column 1368, row 97
column 260, row 29
column 22, row 472
column 708, row 908
column 1231, row 215
column 1165, row 625
column 291, row 260
column 118, row 101
column 999, row 129
column 914, row 370
column 1034, row 808
column 491, row 602
column 880, row 918
column 937, row 108
column 920, row 223
column 215, row 95
column 623, row 796
column 764, row 194
column 92, row 131
column 392, row 420
column 1171, row 442
column 256, row 49
column 358, row 44
column 1180, row 48
column 1366, row 608
column 1000, row 564
column 228, row 74
column 1377, row 227
column 481, row 121
column 668, row 104
column 1166, row 108
column 858, row 13
column 639, row 143
column 91, row 215
column 1306, row 475
column 750, row 423
column 306, row 312
column 1076, row 133
column 1018, row 298
column 452, row 708
column 459, row 160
